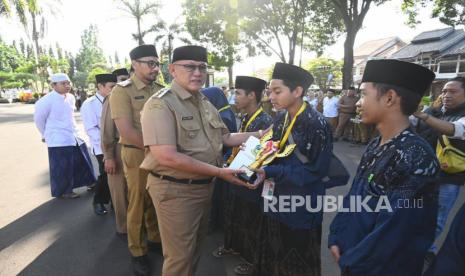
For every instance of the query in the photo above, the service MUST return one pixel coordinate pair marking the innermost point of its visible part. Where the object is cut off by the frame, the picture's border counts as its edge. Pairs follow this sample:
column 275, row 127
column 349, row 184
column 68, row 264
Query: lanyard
column 235, row 150
column 252, row 118
column 98, row 98
column 291, row 125
column 224, row 108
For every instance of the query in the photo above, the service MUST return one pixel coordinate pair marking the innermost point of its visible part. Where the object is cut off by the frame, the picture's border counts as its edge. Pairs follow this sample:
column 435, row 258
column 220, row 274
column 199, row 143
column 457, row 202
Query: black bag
column 337, row 173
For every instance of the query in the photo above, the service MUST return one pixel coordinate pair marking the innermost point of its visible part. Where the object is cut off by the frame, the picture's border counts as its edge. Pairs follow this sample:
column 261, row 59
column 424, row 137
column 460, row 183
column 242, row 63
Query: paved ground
column 44, row 236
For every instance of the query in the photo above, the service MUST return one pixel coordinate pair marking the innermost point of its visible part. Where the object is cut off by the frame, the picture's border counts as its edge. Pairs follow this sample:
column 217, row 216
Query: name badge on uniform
column 268, row 189
column 139, row 97
column 186, row 118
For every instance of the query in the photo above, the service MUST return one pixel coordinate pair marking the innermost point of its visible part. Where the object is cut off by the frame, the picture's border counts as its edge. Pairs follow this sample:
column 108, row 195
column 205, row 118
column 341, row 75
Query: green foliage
column 321, row 67
column 90, row 52
column 286, row 22
column 15, row 80
column 80, row 79
column 450, row 12
column 214, row 22
column 91, row 76
column 10, row 58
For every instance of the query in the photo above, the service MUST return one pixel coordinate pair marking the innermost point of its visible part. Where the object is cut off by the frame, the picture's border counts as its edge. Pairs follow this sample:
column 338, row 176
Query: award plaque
column 245, row 158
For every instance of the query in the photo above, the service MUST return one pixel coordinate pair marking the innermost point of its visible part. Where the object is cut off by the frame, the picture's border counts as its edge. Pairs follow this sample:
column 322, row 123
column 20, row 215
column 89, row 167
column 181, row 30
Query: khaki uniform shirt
column 108, row 131
column 127, row 100
column 188, row 121
column 351, row 102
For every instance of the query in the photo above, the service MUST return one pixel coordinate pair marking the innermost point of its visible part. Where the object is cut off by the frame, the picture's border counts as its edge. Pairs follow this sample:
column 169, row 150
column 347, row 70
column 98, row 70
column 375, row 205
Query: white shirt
column 330, row 107
column 54, row 118
column 91, row 111
column 459, row 126
column 314, row 103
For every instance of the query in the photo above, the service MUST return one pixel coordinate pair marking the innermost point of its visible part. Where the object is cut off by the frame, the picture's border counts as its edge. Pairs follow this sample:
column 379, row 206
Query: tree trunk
column 35, row 38
column 347, row 75
column 139, row 34
column 170, row 50
column 230, row 75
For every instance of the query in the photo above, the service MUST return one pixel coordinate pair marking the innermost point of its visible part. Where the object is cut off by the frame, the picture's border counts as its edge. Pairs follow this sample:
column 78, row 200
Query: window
column 447, row 67
column 462, row 67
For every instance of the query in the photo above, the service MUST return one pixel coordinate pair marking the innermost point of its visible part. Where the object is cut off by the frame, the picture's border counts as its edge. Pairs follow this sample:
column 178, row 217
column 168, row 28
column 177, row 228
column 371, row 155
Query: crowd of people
column 164, row 154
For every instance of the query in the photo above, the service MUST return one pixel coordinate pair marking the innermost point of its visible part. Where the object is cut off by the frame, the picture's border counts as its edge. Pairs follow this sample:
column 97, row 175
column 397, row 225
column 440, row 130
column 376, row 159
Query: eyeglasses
column 150, row 63
column 191, row 67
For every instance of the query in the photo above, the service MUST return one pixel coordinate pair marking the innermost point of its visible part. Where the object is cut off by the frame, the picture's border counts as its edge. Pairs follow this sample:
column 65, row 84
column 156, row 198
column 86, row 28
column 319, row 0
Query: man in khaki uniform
column 114, row 167
column 185, row 135
column 347, row 110
column 126, row 102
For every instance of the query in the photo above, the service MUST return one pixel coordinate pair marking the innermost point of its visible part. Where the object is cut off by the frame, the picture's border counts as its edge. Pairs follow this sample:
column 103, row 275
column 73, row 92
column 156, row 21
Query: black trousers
column 102, row 192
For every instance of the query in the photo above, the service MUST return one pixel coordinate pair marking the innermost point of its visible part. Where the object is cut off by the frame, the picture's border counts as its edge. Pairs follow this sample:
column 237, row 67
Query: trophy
column 258, row 153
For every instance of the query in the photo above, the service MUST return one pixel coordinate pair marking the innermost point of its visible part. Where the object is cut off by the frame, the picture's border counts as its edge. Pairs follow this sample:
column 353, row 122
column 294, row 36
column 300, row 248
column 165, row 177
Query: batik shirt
column 294, row 176
column 395, row 241
column 261, row 122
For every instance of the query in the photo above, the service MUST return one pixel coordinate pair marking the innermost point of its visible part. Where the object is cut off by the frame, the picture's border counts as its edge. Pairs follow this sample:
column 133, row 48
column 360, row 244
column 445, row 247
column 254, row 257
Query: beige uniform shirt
column 127, row 100
column 188, row 121
column 108, row 131
column 350, row 102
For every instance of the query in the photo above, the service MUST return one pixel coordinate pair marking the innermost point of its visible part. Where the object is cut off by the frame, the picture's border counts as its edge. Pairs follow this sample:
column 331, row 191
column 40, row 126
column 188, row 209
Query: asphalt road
column 40, row 235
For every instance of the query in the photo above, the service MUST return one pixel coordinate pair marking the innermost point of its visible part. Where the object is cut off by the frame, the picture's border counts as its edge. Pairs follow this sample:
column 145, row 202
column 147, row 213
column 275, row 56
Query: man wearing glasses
column 69, row 161
column 126, row 102
column 185, row 134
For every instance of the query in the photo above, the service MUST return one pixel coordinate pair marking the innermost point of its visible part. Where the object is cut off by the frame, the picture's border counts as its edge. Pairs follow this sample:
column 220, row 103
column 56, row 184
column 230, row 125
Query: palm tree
column 138, row 9
column 18, row 5
column 26, row 8
column 168, row 34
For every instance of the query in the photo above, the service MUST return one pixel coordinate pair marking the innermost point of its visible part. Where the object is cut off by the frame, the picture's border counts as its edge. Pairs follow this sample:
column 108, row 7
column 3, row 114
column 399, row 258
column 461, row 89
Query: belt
column 131, row 146
column 183, row 181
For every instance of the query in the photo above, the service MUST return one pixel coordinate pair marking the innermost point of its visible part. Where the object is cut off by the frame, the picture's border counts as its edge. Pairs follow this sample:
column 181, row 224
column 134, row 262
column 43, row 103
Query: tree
column 72, row 64
column 170, row 33
column 215, row 23
column 30, row 52
column 352, row 13
column 117, row 63
column 326, row 71
column 18, row 5
column 139, row 9
column 50, row 52
column 98, row 69
column 10, row 59
column 59, row 51
column 274, row 26
column 90, row 52
column 22, row 47
column 449, row 12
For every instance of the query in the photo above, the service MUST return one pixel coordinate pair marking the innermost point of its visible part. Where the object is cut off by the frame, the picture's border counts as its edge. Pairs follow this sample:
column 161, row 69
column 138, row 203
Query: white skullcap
column 59, row 77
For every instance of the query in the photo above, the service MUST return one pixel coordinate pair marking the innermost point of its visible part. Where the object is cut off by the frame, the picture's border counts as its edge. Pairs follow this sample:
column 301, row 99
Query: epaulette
column 124, row 83
column 161, row 93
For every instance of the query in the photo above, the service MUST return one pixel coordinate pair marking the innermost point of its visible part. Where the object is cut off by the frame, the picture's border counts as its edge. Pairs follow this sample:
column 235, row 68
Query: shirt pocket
column 189, row 132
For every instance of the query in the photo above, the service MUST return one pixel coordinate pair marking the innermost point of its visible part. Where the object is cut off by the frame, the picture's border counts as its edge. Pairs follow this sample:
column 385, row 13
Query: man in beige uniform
column 114, row 167
column 185, row 136
column 126, row 102
column 347, row 110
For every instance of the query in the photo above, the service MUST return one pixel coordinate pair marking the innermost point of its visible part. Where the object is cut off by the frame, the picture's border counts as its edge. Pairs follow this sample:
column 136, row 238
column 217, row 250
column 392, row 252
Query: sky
column 115, row 28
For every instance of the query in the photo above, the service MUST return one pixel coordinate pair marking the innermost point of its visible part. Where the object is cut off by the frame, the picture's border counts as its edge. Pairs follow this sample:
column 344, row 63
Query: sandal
column 221, row 252
column 243, row 269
